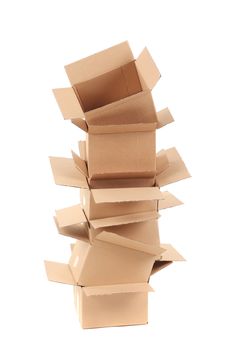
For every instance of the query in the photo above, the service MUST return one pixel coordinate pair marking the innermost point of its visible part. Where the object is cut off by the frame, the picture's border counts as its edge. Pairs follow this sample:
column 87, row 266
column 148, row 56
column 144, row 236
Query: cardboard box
column 74, row 172
column 115, row 305
column 109, row 259
column 113, row 103
column 119, row 174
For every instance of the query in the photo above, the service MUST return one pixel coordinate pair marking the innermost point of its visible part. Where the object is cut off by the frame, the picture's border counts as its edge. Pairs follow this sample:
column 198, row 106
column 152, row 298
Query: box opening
column 108, row 87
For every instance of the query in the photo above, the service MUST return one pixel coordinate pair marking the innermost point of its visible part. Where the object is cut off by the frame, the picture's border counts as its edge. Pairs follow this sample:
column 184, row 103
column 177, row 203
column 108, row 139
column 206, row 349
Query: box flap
column 169, row 201
column 124, row 219
column 77, row 231
column 112, row 195
column 99, row 63
column 147, row 69
column 68, row 103
column 80, row 123
column 80, row 164
column 164, row 117
column 58, row 272
column 161, row 162
column 113, row 238
column 175, row 172
column 167, row 257
column 70, row 216
column 65, row 173
column 118, row 288
column 170, row 254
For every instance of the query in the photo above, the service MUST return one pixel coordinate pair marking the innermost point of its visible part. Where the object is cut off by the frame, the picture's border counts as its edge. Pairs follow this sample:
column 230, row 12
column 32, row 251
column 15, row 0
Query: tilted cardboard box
column 115, row 305
column 109, row 259
column 142, row 228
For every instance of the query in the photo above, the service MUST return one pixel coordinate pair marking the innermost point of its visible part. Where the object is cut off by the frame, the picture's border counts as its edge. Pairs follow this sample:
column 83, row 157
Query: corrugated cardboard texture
column 116, row 309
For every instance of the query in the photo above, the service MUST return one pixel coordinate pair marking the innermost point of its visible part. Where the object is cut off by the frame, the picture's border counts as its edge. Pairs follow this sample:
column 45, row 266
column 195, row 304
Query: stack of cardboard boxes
column 119, row 174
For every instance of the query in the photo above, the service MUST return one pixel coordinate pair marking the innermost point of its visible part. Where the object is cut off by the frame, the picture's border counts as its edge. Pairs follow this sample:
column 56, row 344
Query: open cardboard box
column 110, row 99
column 114, row 305
column 108, row 259
column 142, row 227
column 74, row 171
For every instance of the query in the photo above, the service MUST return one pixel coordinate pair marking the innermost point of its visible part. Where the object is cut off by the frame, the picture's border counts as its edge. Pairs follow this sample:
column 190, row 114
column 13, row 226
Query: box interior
column 108, row 87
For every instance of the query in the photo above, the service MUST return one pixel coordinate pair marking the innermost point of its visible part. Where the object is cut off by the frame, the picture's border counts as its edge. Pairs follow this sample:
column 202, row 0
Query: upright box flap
column 80, row 123
column 58, row 272
column 70, row 216
column 65, row 173
column 170, row 254
column 77, row 231
column 169, row 201
column 68, row 103
column 99, row 63
column 111, row 195
column 161, row 162
column 124, row 219
column 164, row 117
column 113, row 238
column 80, row 164
column 175, row 172
column 147, row 69
column 117, row 289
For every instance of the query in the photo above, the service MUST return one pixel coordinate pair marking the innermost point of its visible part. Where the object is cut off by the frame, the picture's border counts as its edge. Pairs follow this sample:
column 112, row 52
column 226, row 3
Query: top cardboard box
column 111, row 91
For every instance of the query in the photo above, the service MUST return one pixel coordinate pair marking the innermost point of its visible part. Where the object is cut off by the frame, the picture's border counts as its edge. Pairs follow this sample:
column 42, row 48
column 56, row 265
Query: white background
column 190, row 42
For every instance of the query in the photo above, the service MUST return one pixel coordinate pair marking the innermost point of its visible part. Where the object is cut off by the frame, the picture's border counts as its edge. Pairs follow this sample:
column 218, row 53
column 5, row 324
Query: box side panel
column 112, row 264
column 115, row 310
column 116, row 154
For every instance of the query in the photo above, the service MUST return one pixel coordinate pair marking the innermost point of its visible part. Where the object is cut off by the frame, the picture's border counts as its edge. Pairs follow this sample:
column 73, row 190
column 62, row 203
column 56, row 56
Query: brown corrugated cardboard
column 102, row 86
column 176, row 170
column 115, row 305
column 167, row 257
column 117, row 102
column 170, row 168
column 119, row 174
column 100, row 203
column 110, row 259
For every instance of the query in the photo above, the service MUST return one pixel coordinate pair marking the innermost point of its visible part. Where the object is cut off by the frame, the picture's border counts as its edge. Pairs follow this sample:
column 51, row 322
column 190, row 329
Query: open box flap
column 167, row 257
column 161, row 162
column 65, row 173
column 164, row 117
column 118, row 288
column 134, row 109
column 124, row 219
column 147, row 69
column 169, row 201
column 112, row 238
column 99, row 63
column 176, row 170
column 77, row 231
column 68, row 103
column 170, row 254
column 58, row 272
column 80, row 123
column 114, row 195
column 80, row 164
column 70, row 216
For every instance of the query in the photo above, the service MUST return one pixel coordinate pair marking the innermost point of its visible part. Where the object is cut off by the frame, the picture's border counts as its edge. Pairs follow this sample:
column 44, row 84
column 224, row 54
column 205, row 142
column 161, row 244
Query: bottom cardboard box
column 112, row 305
